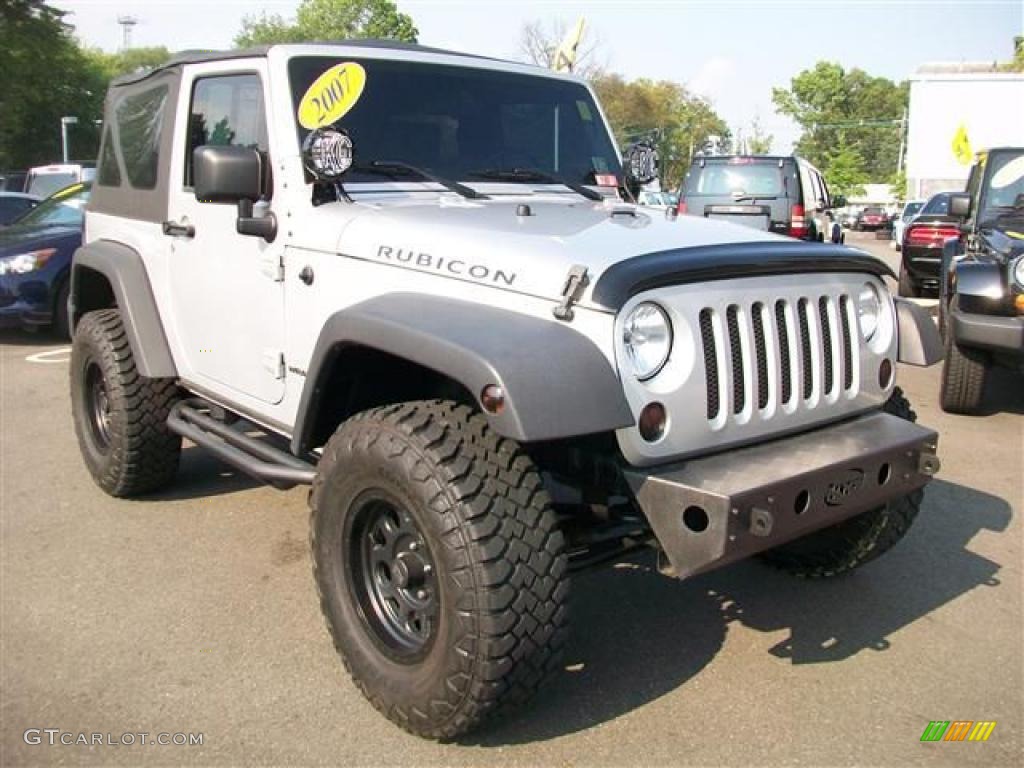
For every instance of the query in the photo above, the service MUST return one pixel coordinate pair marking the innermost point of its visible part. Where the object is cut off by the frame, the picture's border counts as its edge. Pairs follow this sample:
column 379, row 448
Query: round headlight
column 1018, row 272
column 869, row 309
column 647, row 335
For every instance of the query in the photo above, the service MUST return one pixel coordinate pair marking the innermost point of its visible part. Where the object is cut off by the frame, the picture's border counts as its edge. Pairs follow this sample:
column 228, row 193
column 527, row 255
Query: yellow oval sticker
column 332, row 95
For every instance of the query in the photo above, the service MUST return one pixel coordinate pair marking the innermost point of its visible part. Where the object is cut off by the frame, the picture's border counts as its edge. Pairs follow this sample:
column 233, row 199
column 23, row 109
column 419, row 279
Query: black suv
column 982, row 287
column 785, row 195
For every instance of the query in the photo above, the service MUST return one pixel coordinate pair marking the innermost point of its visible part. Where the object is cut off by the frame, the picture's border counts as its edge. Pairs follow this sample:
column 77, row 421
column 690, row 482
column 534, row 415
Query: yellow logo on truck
column 962, row 146
column 332, row 95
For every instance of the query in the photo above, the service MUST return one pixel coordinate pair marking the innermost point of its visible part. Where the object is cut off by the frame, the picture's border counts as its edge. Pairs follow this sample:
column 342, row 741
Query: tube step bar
column 254, row 457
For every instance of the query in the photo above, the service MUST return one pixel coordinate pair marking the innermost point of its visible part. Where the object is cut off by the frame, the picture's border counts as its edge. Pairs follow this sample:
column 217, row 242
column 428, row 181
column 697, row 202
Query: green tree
column 845, row 172
column 1017, row 63
column 678, row 122
column 330, row 20
column 758, row 142
column 113, row 65
column 46, row 76
column 834, row 106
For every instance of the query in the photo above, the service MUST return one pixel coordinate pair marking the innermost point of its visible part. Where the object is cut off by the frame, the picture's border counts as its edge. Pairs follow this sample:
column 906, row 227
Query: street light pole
column 64, row 123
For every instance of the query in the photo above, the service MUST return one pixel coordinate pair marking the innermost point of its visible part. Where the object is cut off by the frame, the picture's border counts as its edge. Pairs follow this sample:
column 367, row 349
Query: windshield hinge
column 575, row 282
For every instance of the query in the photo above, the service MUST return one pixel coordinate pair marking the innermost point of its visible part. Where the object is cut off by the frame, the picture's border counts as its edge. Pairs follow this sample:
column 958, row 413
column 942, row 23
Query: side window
column 109, row 175
column 226, row 110
column 826, row 198
column 974, row 182
column 140, row 119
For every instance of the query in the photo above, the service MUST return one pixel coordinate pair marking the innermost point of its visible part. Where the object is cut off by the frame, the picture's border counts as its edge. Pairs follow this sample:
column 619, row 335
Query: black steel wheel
column 393, row 577
column 440, row 568
column 98, row 406
column 120, row 416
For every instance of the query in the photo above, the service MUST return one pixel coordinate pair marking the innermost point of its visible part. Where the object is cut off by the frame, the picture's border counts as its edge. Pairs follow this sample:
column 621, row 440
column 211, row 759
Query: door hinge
column 273, row 266
column 273, row 361
column 575, row 282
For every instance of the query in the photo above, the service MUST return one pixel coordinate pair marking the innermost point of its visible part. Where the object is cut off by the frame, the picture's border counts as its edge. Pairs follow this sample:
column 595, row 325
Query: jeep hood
column 488, row 242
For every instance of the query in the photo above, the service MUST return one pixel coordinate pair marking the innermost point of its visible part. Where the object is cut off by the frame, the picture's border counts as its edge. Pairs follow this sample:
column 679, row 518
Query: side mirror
column 839, row 201
column 960, row 205
column 233, row 175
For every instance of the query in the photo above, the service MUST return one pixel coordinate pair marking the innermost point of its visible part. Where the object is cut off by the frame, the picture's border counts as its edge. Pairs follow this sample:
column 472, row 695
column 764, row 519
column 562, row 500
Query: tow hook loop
column 928, row 464
column 575, row 282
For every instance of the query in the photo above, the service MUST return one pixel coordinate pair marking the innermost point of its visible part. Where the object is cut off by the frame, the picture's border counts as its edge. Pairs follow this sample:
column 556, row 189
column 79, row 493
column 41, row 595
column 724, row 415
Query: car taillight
column 797, row 223
column 681, row 207
column 929, row 236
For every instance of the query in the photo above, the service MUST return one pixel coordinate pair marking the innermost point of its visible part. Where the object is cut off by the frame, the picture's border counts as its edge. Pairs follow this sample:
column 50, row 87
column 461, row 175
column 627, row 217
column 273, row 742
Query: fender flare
column 557, row 382
column 124, row 269
column 919, row 340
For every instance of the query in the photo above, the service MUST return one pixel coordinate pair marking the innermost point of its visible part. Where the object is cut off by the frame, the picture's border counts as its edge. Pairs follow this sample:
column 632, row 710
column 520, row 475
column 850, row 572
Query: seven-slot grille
column 761, row 356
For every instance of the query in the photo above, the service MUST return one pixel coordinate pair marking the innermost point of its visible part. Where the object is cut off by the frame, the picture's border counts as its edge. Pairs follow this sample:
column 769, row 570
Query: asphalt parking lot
column 194, row 612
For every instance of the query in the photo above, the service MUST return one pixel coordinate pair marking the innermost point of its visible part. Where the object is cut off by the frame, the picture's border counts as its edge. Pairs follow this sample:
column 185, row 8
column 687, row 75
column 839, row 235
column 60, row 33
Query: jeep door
column 226, row 288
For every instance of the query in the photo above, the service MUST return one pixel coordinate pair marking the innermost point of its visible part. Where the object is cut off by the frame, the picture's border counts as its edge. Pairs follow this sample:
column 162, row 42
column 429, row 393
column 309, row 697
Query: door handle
column 176, row 229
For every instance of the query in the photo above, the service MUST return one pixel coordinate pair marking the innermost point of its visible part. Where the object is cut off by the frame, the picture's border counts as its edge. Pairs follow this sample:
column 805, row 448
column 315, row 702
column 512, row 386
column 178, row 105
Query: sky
column 731, row 51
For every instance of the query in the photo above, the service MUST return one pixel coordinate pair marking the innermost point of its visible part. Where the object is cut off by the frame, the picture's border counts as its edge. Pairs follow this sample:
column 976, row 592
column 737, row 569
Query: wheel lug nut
column 421, row 594
column 414, row 546
column 428, row 569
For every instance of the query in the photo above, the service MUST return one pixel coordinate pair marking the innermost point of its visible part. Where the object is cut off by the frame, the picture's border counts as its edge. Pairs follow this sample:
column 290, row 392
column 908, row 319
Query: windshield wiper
column 755, row 198
column 399, row 168
column 533, row 174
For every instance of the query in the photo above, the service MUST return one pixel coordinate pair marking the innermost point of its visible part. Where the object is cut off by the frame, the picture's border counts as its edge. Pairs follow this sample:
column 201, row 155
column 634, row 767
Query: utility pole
column 64, row 123
column 127, row 23
column 903, row 141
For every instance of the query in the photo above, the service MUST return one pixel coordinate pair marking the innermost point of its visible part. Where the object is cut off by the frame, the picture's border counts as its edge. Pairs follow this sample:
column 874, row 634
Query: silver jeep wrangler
column 406, row 277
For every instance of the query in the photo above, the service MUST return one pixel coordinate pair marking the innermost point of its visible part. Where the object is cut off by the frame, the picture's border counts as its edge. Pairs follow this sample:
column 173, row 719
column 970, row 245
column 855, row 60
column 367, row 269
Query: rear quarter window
column 730, row 179
column 140, row 119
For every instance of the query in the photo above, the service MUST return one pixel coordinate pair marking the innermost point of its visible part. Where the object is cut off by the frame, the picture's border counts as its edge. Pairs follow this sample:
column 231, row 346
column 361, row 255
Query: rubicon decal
column 460, row 268
column 958, row 730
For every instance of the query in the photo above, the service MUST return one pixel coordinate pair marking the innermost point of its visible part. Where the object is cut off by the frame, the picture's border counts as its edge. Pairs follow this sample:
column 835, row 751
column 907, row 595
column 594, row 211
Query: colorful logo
column 958, row 730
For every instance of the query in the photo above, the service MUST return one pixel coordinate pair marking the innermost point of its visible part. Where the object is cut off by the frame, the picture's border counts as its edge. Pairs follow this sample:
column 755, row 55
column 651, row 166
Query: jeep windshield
column 1004, row 196
column 453, row 120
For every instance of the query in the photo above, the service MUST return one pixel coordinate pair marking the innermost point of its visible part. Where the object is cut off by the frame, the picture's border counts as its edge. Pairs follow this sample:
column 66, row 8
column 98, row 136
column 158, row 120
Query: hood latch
column 575, row 282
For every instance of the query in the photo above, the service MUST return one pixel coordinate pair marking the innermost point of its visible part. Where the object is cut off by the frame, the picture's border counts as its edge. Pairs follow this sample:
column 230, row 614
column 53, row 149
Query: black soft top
column 198, row 57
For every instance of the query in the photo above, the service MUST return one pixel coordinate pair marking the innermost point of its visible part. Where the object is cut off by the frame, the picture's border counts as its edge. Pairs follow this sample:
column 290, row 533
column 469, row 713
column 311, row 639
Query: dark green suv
column 982, row 289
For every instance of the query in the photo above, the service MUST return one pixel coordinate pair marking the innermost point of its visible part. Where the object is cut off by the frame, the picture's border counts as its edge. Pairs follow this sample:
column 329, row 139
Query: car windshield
column 873, row 211
column 939, row 204
column 735, row 178
column 911, row 210
column 1005, row 191
column 453, row 121
column 44, row 184
column 63, row 209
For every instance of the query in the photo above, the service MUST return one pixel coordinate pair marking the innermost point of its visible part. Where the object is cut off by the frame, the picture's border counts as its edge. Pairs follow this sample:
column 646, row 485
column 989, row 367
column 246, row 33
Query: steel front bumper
column 715, row 510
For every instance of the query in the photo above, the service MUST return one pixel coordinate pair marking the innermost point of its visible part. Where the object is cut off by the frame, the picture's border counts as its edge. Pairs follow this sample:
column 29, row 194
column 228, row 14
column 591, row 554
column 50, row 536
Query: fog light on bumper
column 653, row 420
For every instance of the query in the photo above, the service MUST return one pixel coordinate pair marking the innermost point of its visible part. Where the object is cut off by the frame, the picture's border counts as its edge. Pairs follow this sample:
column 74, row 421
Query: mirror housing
column 839, row 201
column 226, row 174
column 233, row 175
column 960, row 205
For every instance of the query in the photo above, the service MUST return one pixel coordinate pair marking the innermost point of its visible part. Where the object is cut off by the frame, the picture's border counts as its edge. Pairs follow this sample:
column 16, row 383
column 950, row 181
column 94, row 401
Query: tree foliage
column 46, row 76
column 329, row 20
column 112, row 65
column 539, row 43
column 852, row 109
column 844, row 171
column 678, row 122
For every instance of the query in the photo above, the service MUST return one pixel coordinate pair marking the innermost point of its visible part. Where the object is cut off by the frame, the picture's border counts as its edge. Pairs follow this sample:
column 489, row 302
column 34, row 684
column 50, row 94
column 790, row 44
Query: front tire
column 120, row 416
column 441, row 572
column 964, row 372
column 852, row 543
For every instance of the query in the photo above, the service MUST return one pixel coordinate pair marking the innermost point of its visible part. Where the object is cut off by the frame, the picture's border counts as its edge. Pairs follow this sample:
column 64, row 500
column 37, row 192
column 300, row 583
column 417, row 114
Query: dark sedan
column 35, row 261
column 14, row 205
column 922, row 247
column 871, row 218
